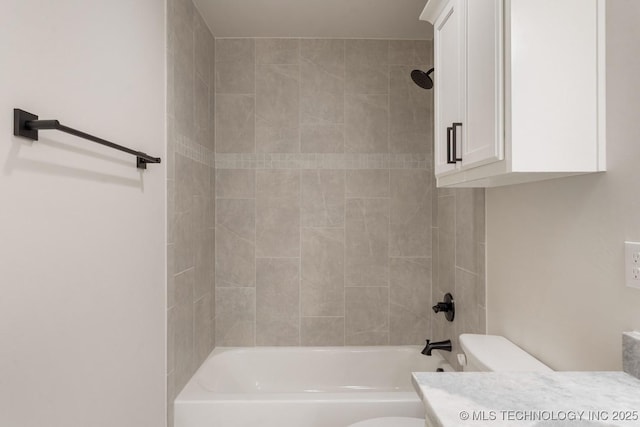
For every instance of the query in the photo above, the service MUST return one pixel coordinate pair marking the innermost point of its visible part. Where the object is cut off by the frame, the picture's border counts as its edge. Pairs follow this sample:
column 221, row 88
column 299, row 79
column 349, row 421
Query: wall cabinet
column 519, row 90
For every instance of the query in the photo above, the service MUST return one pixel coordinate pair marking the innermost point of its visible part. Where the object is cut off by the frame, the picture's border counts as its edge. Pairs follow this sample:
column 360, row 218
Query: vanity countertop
column 479, row 399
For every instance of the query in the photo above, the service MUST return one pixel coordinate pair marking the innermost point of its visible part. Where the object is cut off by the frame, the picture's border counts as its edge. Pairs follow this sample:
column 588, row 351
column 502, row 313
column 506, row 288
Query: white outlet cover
column 632, row 264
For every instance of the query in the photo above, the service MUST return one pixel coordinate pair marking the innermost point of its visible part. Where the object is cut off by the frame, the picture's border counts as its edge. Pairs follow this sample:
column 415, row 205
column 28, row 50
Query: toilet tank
column 496, row 353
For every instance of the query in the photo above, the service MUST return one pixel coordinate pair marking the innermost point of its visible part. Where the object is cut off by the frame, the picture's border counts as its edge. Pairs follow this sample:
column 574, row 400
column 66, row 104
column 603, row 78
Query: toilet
column 482, row 353
column 491, row 353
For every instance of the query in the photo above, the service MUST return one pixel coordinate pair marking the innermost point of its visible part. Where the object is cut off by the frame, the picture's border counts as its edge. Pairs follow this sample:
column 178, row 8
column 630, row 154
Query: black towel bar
column 27, row 125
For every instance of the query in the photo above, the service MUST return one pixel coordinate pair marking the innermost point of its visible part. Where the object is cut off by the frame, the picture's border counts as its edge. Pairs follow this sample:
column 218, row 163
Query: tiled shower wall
column 190, row 195
column 459, row 262
column 323, row 192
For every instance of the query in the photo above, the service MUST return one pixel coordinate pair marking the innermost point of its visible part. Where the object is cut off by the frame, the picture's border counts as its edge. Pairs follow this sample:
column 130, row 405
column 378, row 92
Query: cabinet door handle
column 449, row 132
column 455, row 144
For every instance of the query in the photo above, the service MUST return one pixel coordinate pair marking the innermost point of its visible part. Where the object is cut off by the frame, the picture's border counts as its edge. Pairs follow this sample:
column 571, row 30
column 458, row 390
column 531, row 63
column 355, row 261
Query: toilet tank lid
column 496, row 353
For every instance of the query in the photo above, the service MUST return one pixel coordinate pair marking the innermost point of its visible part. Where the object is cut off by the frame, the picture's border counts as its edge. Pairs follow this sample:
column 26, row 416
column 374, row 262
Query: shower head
column 422, row 79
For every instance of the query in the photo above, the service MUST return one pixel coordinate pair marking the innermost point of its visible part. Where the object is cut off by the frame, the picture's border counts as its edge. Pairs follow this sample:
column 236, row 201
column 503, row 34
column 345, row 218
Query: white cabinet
column 448, row 95
column 519, row 90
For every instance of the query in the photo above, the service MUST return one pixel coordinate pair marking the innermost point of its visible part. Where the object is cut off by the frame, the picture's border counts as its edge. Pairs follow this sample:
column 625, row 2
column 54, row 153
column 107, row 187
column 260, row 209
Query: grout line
column 299, row 62
column 255, row 204
column 390, row 194
column 466, row 271
column 344, row 182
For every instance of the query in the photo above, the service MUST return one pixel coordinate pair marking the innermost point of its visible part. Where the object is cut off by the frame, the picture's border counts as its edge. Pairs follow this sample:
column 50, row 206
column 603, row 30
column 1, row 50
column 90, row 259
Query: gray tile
column 278, row 228
column 204, row 262
column 171, row 271
column 275, row 138
column 171, row 147
column 367, row 68
column 185, row 184
column 631, row 353
column 183, row 328
column 184, row 248
column 278, row 184
column 235, row 243
column 199, row 212
column 435, row 257
column 278, row 301
column 183, row 87
column 482, row 274
column 202, row 179
column 367, row 316
column 443, row 192
column 446, row 262
column 410, row 229
column 237, row 216
column 322, row 285
column 327, row 138
column 446, row 214
column 235, row 317
column 367, row 183
column 322, row 197
column 171, row 92
column 278, row 213
column 203, row 43
column 277, row 51
column 410, row 301
column 277, row 109
column 235, row 184
column 367, row 237
column 235, row 66
column 445, row 330
column 366, row 123
column 212, row 68
column 469, row 217
column 235, row 124
column 171, row 395
column 327, row 54
column 322, row 331
column 201, row 114
column 410, row 114
column 203, row 328
column 180, row 22
column 171, row 339
column 468, row 305
column 411, row 52
column 322, row 81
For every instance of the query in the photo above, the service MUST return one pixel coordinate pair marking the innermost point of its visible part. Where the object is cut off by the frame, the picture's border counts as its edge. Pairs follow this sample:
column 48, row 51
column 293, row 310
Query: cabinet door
column 448, row 82
column 483, row 128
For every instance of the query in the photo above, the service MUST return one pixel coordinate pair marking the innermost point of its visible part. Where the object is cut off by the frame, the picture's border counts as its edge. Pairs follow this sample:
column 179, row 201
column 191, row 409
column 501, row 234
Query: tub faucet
column 438, row 345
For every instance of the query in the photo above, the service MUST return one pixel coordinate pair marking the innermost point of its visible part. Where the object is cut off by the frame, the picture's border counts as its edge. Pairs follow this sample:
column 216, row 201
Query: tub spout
column 438, row 345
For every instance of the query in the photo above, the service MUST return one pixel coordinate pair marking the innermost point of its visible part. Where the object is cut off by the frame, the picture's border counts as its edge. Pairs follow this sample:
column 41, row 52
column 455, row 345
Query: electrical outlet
column 632, row 264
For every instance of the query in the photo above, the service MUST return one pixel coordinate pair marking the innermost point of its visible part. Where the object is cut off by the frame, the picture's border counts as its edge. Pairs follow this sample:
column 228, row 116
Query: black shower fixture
column 422, row 79
column 447, row 307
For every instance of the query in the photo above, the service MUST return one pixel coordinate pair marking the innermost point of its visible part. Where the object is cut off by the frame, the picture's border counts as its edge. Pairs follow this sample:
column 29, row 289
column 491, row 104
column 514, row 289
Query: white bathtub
column 303, row 386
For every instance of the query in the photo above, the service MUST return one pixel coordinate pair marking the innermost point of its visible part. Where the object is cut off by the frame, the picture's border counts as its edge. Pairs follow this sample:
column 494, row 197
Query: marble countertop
column 488, row 399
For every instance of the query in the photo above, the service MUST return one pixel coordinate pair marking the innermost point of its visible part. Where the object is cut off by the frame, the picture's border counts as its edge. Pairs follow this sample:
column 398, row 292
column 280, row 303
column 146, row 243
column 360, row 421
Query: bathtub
column 303, row 386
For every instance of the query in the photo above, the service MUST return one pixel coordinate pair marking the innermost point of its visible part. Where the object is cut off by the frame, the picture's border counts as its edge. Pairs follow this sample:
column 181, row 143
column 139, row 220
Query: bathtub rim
column 194, row 393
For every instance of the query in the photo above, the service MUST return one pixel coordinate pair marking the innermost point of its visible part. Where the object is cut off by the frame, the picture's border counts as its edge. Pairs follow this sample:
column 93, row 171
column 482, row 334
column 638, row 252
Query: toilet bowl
column 390, row 422
column 485, row 353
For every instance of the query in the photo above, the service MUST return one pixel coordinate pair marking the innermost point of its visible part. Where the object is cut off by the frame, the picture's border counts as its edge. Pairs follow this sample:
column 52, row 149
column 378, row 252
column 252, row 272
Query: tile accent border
column 194, row 151
column 631, row 353
column 312, row 161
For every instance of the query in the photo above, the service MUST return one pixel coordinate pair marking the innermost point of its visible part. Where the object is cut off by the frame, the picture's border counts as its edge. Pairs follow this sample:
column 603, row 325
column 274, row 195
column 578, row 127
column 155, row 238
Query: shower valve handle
column 447, row 307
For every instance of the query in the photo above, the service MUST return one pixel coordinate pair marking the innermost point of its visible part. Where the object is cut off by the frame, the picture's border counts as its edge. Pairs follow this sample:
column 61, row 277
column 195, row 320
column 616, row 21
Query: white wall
column 555, row 248
column 82, row 232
